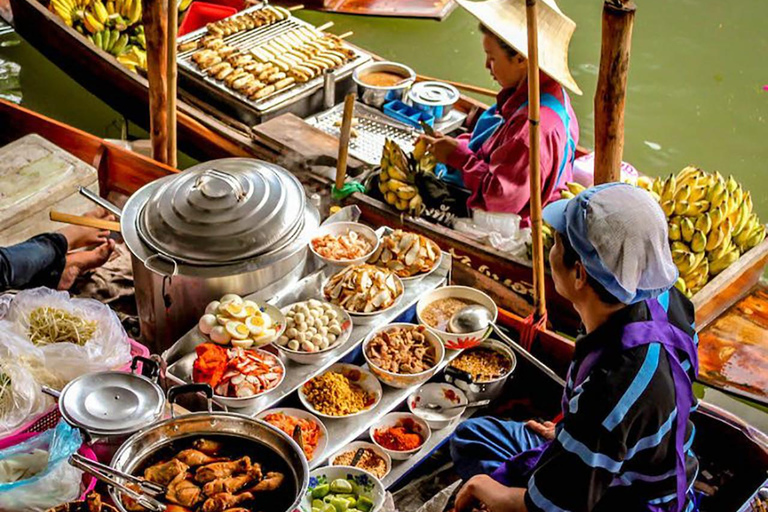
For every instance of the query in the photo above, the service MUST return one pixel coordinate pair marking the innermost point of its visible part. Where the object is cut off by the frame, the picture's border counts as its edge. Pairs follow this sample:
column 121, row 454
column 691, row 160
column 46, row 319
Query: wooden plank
column 730, row 285
column 733, row 350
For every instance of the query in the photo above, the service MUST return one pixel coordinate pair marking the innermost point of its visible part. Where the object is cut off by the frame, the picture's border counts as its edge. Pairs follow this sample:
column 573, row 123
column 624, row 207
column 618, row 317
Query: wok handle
column 150, row 368
column 183, row 389
column 549, row 372
column 150, row 264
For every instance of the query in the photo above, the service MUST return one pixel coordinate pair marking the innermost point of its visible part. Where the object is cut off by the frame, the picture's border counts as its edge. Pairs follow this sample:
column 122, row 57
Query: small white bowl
column 278, row 323
column 359, row 376
column 395, row 419
column 458, row 341
column 409, row 281
column 303, row 357
column 240, row 403
column 404, row 380
column 367, row 485
column 322, row 442
column 341, row 228
column 353, row 447
column 368, row 318
column 441, row 394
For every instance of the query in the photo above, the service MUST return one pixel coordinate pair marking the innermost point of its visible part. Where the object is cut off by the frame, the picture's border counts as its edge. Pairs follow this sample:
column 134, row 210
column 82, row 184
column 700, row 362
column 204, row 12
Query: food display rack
column 300, row 99
column 341, row 431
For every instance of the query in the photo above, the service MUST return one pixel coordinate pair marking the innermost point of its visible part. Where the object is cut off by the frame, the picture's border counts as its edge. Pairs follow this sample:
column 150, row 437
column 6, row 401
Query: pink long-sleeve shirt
column 498, row 173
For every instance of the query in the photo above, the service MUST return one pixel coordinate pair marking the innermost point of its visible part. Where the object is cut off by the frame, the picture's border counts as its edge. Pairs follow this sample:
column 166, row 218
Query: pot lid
column 223, row 211
column 433, row 93
column 111, row 403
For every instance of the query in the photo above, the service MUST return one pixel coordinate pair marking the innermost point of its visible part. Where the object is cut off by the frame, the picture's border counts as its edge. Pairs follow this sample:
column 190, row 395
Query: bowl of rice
column 342, row 391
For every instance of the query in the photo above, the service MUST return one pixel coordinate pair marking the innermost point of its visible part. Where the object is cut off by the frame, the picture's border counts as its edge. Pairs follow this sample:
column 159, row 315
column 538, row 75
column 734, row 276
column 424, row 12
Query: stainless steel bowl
column 435, row 98
column 377, row 96
column 484, row 390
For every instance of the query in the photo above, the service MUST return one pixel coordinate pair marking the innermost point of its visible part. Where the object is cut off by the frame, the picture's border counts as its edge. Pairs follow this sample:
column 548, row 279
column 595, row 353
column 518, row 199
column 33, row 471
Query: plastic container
column 200, row 14
column 407, row 114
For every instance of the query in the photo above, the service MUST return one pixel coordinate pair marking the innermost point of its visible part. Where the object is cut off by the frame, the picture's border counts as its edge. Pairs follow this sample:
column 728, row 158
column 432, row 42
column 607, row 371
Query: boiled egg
column 222, row 319
column 237, row 330
column 235, row 310
column 212, row 308
column 246, row 343
column 231, row 297
column 220, row 335
column 207, row 323
column 257, row 324
column 251, row 308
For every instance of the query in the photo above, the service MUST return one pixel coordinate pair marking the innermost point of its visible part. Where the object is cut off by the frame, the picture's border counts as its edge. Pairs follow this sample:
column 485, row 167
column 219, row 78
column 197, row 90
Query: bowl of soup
column 381, row 82
column 435, row 309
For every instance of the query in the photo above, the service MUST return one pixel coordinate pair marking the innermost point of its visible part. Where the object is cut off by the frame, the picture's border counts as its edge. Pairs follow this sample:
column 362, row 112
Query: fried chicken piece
column 272, row 481
column 184, row 492
column 216, row 470
column 129, row 503
column 208, row 446
column 165, row 472
column 93, row 500
column 194, row 457
column 234, row 483
column 224, row 500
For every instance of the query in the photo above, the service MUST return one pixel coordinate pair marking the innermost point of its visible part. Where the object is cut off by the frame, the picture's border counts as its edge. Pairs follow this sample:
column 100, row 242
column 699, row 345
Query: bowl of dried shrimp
column 314, row 329
column 344, row 243
column 364, row 291
column 314, row 435
column 342, row 391
column 403, row 355
column 410, row 256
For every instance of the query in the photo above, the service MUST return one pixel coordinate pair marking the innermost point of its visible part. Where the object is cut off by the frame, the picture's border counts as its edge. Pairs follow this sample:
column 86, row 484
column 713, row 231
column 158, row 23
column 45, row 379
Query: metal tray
column 246, row 109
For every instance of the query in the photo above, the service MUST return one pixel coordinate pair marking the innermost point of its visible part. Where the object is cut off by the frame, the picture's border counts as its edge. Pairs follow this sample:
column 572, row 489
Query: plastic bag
column 108, row 348
column 22, row 399
column 57, row 483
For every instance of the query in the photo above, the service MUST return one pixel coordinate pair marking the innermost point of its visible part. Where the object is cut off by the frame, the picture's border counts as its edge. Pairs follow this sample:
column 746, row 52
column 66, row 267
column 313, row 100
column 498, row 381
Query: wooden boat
column 726, row 445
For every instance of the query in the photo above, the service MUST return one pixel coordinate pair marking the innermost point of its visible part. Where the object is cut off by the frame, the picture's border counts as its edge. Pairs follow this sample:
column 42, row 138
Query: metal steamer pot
column 234, row 225
column 139, row 448
column 490, row 390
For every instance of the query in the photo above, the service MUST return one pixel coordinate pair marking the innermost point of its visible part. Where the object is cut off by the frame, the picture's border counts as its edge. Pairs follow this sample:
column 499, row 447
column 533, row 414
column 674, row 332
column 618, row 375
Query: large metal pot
column 490, row 390
column 234, row 225
column 242, row 430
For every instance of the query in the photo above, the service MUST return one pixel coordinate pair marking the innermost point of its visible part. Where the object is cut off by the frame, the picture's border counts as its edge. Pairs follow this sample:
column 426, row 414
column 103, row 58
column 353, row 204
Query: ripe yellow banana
column 683, row 193
column 420, row 149
column 680, row 207
column 698, row 241
column 686, row 229
column 696, row 208
column 723, row 262
column 703, row 223
column 397, row 174
column 99, row 11
column 679, row 246
column 566, row 194
column 674, row 232
column 416, row 205
column 92, row 24
column 402, row 204
column 391, row 198
column 384, row 175
column 668, row 191
column 715, row 238
column 755, row 238
column 134, row 14
column 395, row 185
column 646, row 183
column 575, row 188
column 680, row 285
column 731, row 184
column 408, row 192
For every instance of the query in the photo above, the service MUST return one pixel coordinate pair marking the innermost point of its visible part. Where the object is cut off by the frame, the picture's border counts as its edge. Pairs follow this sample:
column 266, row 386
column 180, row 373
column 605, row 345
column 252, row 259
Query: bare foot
column 80, row 236
column 83, row 261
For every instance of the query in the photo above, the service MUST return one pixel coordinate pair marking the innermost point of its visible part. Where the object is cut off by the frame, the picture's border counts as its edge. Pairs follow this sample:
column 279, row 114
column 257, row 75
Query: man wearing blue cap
column 625, row 437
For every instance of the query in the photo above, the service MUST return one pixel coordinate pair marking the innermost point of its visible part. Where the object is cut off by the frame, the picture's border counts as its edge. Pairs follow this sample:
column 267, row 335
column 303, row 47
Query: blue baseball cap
column 620, row 234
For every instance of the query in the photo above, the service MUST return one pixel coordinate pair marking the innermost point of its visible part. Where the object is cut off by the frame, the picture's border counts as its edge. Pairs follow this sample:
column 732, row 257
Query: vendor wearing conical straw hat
column 493, row 161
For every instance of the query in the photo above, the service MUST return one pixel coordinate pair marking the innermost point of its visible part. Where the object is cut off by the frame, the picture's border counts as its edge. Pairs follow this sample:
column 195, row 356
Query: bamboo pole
column 540, row 307
column 346, row 131
column 462, row 86
column 155, row 21
column 610, row 96
column 173, row 28
column 79, row 220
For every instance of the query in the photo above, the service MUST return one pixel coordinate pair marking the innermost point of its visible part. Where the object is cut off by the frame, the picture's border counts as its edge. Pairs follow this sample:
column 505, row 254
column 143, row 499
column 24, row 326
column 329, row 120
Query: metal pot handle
column 149, row 263
column 183, row 389
column 234, row 184
column 150, row 368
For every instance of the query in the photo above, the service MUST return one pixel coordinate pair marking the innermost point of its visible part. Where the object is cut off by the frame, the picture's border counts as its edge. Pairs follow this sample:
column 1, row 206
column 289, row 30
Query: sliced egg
column 237, row 330
column 246, row 343
column 232, row 297
column 255, row 324
column 267, row 333
column 220, row 335
column 207, row 323
column 235, row 310
column 251, row 308
column 212, row 308
column 222, row 319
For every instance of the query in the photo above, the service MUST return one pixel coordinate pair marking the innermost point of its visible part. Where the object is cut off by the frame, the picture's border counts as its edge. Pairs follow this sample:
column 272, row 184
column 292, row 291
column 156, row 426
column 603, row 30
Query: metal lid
column 223, row 211
column 111, row 403
column 434, row 93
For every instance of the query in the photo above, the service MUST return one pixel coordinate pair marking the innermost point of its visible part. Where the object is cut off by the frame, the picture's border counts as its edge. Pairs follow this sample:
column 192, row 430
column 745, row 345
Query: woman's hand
column 440, row 146
column 545, row 430
column 482, row 489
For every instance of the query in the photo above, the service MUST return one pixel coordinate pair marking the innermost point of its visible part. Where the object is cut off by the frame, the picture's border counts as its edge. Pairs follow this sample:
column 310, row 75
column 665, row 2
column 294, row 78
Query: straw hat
column 506, row 19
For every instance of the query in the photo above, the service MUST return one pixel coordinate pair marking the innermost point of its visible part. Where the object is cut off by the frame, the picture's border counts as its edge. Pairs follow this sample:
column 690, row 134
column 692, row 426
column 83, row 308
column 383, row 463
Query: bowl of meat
column 364, row 291
column 403, row 355
column 435, row 309
column 344, row 243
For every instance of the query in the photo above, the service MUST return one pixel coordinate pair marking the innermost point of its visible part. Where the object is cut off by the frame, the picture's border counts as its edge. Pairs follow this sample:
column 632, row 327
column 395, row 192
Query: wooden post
column 173, row 29
column 346, row 131
column 540, row 307
column 155, row 21
column 610, row 96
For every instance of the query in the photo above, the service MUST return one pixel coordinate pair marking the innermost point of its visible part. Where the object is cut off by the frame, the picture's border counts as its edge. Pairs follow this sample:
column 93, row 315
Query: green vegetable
column 364, row 504
column 318, row 504
column 315, row 509
column 321, row 491
column 341, row 505
column 341, row 486
column 329, row 508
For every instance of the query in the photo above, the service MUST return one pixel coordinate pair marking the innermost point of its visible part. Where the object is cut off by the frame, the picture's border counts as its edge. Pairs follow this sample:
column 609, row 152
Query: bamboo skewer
column 173, row 26
column 295, row 7
column 346, row 35
column 459, row 85
column 346, row 131
column 88, row 222
column 540, row 307
column 325, row 26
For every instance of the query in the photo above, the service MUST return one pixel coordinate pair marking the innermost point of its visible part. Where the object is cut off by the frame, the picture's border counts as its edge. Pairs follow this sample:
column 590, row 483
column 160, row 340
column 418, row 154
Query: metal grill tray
column 372, row 128
column 247, row 40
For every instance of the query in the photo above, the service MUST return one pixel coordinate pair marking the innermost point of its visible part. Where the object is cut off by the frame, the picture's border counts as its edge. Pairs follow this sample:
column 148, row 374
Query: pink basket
column 48, row 419
column 89, row 482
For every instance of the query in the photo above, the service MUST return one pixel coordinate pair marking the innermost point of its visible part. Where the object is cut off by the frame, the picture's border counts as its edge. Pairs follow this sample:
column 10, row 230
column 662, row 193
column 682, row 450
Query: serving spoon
column 440, row 408
column 477, row 318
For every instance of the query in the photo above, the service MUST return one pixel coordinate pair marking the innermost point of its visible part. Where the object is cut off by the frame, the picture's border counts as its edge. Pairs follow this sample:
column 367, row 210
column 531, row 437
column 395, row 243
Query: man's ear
column 581, row 276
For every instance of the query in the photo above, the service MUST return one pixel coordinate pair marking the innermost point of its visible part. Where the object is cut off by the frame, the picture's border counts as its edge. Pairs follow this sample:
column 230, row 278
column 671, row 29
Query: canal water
column 696, row 86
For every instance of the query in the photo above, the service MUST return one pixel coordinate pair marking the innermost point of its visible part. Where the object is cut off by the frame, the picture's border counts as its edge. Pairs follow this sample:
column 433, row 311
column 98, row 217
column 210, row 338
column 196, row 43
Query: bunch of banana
column 397, row 181
column 70, row 11
column 710, row 219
